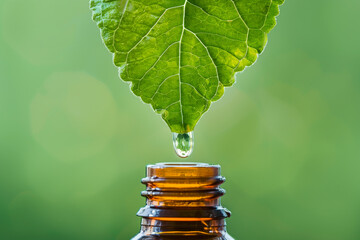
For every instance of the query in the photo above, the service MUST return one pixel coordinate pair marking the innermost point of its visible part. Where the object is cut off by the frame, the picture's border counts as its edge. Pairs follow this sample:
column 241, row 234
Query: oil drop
column 183, row 143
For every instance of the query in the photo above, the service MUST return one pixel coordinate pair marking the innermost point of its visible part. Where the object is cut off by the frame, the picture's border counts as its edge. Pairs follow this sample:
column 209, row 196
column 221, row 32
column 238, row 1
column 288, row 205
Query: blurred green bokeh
column 74, row 141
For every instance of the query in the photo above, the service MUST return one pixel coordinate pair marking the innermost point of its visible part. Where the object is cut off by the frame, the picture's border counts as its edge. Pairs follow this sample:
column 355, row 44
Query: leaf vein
column 157, row 60
column 197, row 91
column 162, row 82
column 237, row 10
column 212, row 60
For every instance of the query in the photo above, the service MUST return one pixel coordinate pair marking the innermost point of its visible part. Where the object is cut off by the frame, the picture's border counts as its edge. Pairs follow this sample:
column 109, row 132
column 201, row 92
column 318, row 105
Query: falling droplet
column 183, row 143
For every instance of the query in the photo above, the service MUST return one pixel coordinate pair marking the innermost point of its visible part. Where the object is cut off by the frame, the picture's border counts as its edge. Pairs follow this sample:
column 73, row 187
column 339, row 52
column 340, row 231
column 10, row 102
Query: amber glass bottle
column 183, row 202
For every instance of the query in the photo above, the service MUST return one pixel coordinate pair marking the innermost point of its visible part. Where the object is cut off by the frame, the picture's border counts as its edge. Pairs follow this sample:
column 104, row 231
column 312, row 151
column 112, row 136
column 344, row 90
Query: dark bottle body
column 179, row 237
column 183, row 203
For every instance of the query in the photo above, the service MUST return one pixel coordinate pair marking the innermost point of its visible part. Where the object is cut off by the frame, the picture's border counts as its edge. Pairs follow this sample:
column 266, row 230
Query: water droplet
column 183, row 143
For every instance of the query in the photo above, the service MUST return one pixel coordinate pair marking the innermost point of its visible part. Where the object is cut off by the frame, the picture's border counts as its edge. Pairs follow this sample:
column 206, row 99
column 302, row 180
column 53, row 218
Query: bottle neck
column 183, row 199
column 173, row 228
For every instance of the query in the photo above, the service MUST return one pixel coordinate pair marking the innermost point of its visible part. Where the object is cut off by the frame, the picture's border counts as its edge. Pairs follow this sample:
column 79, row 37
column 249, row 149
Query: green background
column 74, row 141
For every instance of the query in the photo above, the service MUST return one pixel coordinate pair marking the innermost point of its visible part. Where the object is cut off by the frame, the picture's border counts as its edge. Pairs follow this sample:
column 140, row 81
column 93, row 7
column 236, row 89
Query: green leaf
column 179, row 55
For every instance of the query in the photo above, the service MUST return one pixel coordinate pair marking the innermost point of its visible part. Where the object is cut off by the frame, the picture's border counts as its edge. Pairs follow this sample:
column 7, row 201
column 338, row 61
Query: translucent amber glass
column 183, row 203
